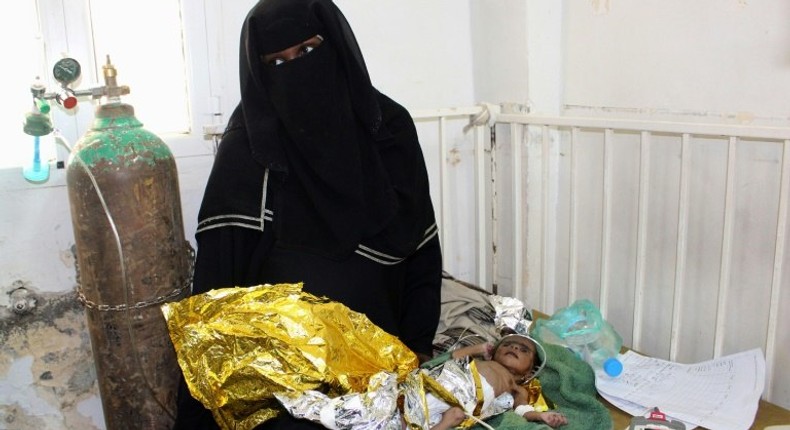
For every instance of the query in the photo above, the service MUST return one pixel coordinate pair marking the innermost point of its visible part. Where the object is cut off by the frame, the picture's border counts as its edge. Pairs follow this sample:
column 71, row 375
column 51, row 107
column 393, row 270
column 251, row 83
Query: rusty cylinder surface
column 131, row 257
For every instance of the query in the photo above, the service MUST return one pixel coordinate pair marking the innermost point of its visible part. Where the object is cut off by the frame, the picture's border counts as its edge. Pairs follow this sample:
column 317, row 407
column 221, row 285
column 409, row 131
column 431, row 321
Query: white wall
column 418, row 53
column 708, row 59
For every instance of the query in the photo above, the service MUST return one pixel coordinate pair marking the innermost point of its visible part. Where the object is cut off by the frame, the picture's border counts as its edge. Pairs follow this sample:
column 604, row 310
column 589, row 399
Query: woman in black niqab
column 320, row 179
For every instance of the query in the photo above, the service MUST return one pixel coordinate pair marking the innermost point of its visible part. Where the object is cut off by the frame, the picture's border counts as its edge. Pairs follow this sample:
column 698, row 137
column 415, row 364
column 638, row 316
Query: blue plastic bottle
column 38, row 124
column 581, row 328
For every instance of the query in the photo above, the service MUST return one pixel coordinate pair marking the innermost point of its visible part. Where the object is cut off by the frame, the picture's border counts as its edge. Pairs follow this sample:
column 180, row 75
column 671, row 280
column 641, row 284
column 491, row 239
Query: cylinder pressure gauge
column 66, row 71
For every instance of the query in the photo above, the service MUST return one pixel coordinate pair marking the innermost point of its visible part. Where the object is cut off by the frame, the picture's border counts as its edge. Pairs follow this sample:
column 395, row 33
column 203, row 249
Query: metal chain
column 90, row 304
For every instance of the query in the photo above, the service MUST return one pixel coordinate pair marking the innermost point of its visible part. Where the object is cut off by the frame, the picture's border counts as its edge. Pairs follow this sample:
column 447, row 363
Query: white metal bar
column 547, row 280
column 682, row 238
column 494, row 213
column 480, row 202
column 573, row 260
column 671, row 127
column 725, row 269
column 641, row 238
column 443, row 211
column 606, row 228
column 776, row 282
column 697, row 129
column 516, row 137
column 428, row 114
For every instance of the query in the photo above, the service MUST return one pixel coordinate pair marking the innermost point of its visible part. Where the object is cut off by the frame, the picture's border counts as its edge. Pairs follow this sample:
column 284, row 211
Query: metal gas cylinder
column 131, row 257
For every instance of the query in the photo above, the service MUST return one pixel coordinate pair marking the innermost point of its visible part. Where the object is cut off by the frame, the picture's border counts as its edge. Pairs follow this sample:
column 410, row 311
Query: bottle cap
column 42, row 106
column 68, row 102
column 613, row 367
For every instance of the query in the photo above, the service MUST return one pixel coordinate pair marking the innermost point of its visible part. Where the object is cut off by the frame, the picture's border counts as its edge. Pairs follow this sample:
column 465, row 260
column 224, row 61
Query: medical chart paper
column 719, row 394
column 639, row 410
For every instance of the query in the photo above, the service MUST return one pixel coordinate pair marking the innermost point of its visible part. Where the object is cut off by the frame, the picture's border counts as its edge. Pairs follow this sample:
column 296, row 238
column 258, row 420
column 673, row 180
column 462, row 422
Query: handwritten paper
column 717, row 394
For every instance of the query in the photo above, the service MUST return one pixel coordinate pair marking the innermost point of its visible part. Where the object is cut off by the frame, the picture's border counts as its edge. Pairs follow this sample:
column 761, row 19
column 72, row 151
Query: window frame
column 67, row 30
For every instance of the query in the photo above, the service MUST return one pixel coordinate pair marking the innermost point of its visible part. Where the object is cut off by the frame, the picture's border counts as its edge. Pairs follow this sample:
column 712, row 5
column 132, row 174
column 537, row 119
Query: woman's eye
column 306, row 49
column 291, row 53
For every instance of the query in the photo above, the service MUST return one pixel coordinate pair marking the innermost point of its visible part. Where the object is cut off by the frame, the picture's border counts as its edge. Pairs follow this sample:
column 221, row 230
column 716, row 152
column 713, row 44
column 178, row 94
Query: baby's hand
column 488, row 354
column 554, row 419
column 451, row 418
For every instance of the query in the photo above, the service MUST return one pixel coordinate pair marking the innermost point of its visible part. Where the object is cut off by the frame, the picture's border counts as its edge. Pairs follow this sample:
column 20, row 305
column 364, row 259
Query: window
column 20, row 67
column 147, row 41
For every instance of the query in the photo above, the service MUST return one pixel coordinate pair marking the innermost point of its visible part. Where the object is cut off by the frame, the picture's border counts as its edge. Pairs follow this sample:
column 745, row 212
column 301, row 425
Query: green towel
column 569, row 383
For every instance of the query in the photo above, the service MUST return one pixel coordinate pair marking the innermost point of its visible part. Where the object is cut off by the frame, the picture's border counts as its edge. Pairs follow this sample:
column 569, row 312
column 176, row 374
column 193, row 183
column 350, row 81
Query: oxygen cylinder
column 131, row 257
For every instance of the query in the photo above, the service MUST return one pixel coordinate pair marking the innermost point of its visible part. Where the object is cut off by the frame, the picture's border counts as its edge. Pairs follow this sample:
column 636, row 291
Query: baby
column 506, row 368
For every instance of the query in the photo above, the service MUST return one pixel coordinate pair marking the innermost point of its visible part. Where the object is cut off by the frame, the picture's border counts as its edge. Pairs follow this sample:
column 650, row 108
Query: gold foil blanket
column 238, row 347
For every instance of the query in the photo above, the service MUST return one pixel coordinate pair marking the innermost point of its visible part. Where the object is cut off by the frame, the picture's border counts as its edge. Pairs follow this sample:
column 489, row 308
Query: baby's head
column 522, row 355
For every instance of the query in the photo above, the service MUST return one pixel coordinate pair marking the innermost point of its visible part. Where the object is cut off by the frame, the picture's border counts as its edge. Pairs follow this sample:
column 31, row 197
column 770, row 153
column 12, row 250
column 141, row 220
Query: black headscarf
column 317, row 119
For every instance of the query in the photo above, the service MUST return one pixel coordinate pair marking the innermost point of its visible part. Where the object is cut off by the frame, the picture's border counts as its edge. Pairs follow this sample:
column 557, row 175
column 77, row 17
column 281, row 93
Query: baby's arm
column 450, row 418
column 552, row 418
column 481, row 349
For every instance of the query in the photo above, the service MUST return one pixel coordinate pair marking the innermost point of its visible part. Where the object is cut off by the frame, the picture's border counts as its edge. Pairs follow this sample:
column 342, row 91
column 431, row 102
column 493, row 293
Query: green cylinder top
column 119, row 139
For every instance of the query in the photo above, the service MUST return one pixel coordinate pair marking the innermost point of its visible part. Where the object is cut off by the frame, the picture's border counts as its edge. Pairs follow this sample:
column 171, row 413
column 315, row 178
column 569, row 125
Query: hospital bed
column 675, row 227
column 468, row 317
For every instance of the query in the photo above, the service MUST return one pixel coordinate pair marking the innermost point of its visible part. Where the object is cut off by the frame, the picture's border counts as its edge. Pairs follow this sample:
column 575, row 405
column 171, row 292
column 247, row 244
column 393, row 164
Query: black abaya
column 318, row 179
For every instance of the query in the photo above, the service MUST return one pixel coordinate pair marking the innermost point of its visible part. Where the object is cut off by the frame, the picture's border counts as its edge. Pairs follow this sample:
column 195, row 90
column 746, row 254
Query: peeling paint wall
column 47, row 375
column 47, row 378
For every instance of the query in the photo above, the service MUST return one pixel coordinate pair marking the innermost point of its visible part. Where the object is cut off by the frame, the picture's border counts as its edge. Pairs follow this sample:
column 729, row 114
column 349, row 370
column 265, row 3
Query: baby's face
column 517, row 354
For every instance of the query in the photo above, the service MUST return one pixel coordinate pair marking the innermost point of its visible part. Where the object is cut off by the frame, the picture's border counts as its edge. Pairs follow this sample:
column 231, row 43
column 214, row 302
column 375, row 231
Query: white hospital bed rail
column 688, row 253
